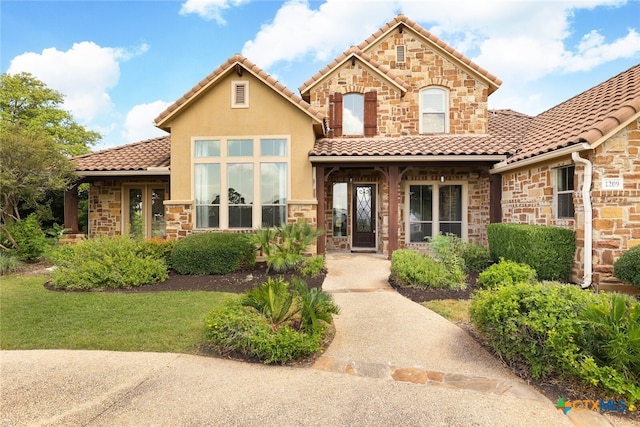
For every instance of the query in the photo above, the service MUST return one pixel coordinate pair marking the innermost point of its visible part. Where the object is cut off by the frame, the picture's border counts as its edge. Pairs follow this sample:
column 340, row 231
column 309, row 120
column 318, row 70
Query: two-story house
column 390, row 143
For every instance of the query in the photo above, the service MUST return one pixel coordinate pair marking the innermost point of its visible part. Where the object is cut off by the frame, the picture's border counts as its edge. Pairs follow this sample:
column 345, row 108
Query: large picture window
column 435, row 208
column 564, row 191
column 240, row 183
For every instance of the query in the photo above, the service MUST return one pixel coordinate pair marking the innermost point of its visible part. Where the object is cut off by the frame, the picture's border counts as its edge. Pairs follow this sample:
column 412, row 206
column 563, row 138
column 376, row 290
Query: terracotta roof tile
column 585, row 117
column 139, row 156
column 222, row 70
column 500, row 141
column 353, row 51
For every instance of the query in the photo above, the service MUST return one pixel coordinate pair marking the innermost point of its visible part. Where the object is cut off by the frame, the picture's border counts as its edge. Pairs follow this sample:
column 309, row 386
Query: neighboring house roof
column 585, row 118
column 440, row 46
column 499, row 142
column 354, row 52
column 152, row 156
column 162, row 121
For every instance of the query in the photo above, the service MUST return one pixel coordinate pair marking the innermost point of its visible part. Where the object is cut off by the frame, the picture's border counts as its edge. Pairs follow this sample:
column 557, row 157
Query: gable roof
column 493, row 146
column 230, row 65
column 353, row 52
column 149, row 157
column 586, row 118
column 440, row 46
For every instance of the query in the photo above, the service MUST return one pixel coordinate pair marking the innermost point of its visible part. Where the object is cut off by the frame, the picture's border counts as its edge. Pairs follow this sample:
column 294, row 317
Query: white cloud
column 84, row 74
column 210, row 9
column 593, row 51
column 138, row 124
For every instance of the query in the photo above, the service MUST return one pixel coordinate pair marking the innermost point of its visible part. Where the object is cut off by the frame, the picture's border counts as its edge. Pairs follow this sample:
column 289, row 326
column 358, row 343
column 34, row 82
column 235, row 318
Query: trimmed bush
column 563, row 330
column 627, row 267
column 506, row 273
column 476, row 258
column 105, row 262
column 549, row 250
column 409, row 268
column 212, row 253
column 157, row 248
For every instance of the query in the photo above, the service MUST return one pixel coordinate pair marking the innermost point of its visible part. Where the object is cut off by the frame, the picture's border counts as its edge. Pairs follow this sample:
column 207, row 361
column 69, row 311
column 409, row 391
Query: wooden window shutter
column 335, row 114
column 370, row 113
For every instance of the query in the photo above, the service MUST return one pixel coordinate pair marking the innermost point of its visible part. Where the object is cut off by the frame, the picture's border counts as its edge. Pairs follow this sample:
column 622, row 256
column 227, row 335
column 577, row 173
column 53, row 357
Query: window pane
column 207, row 183
column 353, row 114
column 240, row 147
column 157, row 212
column 565, row 178
column 565, row 205
column 240, row 181
column 340, row 209
column 207, row 148
column 433, row 101
column 420, row 201
column 273, row 183
column 451, row 227
column 450, row 203
column 273, row 147
column 274, row 216
column 420, row 231
column 136, row 221
column 433, row 123
column 207, row 217
column 240, row 216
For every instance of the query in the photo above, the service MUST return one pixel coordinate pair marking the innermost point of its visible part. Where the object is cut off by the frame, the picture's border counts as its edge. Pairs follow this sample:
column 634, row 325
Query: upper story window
column 564, row 192
column 400, row 54
column 353, row 114
column 240, row 94
column 434, row 110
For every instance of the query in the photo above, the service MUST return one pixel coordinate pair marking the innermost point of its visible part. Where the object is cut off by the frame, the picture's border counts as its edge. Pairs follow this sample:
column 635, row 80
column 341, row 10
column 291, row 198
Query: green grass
column 454, row 310
column 32, row 317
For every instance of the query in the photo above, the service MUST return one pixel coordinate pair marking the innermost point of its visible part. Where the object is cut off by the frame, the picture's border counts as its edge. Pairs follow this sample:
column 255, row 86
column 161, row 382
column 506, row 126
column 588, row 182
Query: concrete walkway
column 392, row 363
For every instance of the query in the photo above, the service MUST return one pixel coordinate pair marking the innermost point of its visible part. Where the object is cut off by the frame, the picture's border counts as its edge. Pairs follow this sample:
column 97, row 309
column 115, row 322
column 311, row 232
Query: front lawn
column 33, row 317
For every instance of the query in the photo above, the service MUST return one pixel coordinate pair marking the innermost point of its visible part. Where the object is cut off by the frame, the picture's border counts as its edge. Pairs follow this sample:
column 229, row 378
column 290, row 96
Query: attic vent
column 400, row 54
column 240, row 94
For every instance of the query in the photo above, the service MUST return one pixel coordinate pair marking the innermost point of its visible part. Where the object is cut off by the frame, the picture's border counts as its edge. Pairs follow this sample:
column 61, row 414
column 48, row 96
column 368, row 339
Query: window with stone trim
column 240, row 183
column 434, row 208
column 565, row 178
column 434, row 110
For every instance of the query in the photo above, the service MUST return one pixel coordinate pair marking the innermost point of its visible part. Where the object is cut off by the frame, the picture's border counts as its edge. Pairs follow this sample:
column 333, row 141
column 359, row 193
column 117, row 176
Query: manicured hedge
column 627, row 267
column 212, row 253
column 549, row 250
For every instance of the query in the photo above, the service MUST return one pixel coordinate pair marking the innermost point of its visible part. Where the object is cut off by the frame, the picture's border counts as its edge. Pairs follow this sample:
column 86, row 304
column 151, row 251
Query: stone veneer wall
column 400, row 115
column 105, row 208
column 528, row 197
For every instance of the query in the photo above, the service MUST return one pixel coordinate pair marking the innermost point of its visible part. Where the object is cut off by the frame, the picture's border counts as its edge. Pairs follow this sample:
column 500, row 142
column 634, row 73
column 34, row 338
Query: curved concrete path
column 392, row 363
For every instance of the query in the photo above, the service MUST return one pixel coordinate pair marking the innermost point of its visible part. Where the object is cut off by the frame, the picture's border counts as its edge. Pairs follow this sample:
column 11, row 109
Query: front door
column 145, row 210
column 364, row 216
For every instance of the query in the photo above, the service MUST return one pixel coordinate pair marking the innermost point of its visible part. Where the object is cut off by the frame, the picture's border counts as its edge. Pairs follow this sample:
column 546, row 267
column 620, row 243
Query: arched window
column 434, row 110
column 353, row 114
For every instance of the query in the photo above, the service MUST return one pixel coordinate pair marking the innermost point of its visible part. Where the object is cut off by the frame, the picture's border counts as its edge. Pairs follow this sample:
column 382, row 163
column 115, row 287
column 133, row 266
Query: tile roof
column 500, row 141
column 139, row 156
column 226, row 67
column 353, row 51
column 584, row 118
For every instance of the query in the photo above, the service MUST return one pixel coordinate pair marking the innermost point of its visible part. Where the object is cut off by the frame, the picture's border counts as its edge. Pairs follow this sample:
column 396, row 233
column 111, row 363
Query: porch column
column 322, row 240
column 495, row 198
column 394, row 183
column 71, row 209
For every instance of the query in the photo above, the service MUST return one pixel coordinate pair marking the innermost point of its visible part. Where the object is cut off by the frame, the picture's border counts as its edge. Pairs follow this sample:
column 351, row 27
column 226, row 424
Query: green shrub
column 452, row 251
column 9, row 262
column 273, row 323
column 549, row 250
column 312, row 266
column 30, row 240
column 627, row 267
column 285, row 246
column 157, row 248
column 506, row 273
column 564, row 330
column 476, row 258
column 409, row 268
column 105, row 262
column 212, row 253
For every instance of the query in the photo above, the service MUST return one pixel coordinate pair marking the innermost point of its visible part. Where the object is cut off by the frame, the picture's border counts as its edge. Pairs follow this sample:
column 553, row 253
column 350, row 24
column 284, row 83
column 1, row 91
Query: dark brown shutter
column 370, row 113
column 335, row 113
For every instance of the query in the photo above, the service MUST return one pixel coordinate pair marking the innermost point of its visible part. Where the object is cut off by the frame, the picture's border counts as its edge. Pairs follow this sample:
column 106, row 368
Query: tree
column 28, row 103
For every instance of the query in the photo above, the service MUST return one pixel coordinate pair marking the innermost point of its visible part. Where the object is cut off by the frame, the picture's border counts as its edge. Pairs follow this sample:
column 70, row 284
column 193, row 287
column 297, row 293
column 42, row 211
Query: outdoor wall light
column 441, row 178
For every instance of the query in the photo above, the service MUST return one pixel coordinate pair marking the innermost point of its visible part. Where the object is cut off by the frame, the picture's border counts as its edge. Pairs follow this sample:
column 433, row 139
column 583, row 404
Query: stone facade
column 179, row 219
column 105, row 208
column 528, row 196
column 399, row 114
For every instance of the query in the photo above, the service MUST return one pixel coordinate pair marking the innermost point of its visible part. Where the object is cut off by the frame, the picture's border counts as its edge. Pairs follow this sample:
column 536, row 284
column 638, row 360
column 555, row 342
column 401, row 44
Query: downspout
column 588, row 218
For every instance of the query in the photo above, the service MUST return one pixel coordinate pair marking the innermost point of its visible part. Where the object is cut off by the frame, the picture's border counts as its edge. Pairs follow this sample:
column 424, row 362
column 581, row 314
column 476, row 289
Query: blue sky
column 120, row 63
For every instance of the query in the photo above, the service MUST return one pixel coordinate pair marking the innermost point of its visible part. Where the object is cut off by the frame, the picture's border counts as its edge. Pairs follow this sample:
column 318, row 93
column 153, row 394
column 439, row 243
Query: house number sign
column 612, row 183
